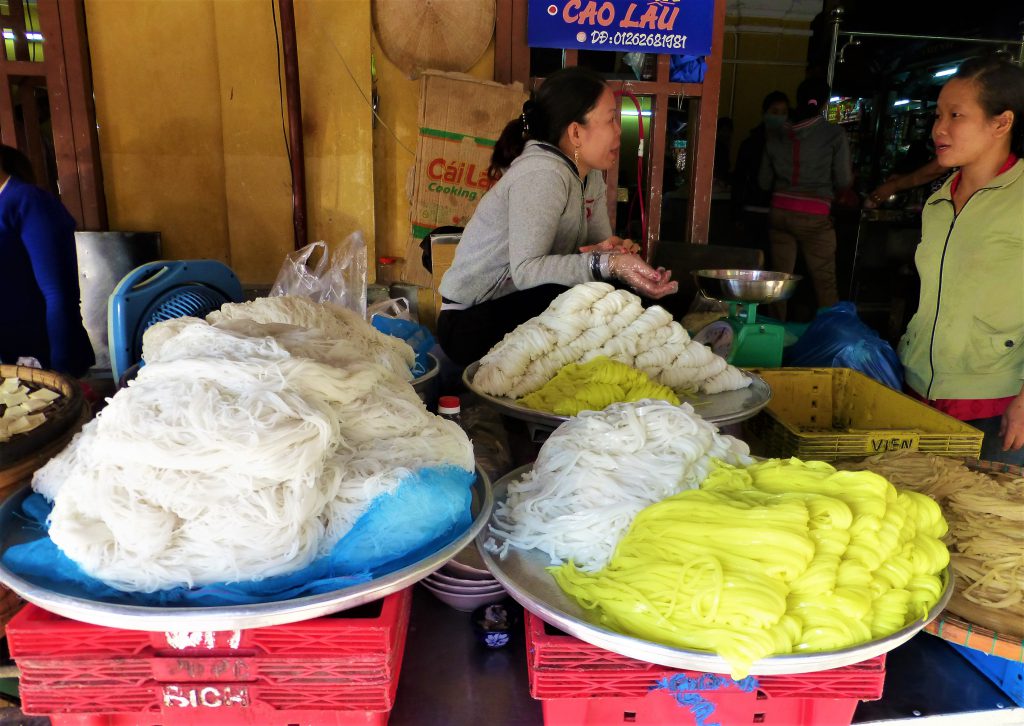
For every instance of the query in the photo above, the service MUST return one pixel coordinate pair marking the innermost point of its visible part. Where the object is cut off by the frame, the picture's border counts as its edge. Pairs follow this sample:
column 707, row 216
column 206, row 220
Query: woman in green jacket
column 963, row 351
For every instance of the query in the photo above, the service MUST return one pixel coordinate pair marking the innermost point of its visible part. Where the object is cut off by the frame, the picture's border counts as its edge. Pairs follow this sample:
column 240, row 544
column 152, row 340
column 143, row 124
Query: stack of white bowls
column 464, row 582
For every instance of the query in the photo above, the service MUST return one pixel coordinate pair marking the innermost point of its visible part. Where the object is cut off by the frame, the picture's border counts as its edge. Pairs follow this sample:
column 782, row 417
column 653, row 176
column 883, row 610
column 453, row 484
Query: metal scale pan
column 78, row 605
column 524, row 576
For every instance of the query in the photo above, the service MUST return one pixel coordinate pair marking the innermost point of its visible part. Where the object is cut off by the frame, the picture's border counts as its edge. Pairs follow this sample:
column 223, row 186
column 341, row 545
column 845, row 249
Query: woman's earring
column 576, row 156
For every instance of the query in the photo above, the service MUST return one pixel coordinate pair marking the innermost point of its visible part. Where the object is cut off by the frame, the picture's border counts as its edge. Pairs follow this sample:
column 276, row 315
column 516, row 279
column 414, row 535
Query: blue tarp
column 427, row 511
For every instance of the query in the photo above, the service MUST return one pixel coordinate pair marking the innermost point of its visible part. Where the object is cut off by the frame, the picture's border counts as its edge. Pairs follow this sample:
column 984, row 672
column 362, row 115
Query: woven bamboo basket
column 25, row 453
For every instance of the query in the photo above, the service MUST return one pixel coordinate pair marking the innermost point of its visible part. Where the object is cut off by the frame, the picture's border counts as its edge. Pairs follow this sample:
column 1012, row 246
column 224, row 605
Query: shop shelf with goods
column 340, row 669
column 579, row 684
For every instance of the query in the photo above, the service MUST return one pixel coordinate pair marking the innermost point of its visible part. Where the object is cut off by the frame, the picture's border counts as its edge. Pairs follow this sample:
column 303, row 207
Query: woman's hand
column 641, row 277
column 1012, row 426
column 883, row 192
column 615, row 245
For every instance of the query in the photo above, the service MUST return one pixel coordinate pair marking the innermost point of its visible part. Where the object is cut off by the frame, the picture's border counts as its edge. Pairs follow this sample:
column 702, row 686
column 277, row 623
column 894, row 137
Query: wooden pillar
column 294, row 102
column 704, row 160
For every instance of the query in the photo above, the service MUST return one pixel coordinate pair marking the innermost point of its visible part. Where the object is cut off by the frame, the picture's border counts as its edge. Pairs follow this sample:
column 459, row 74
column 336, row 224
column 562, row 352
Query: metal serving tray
column 73, row 603
column 721, row 409
column 524, row 576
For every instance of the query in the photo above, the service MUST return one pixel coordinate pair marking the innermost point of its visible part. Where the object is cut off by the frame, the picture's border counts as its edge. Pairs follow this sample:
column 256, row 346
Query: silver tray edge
column 693, row 659
column 238, row 617
column 552, row 420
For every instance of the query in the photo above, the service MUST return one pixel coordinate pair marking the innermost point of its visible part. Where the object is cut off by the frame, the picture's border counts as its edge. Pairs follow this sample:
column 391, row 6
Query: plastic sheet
column 429, row 509
column 837, row 338
column 338, row 277
column 417, row 336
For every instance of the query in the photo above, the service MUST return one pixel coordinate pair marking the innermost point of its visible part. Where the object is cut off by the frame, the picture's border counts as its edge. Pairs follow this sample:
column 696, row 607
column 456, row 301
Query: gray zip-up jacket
column 810, row 159
column 528, row 228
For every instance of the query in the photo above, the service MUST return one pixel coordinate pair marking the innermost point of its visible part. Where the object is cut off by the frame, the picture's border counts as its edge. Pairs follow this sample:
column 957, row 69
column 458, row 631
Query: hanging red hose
column 639, row 173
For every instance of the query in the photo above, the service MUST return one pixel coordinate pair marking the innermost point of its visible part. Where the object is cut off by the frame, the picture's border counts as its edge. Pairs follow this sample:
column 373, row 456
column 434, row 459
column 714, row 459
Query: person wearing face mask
column 806, row 165
column 749, row 200
column 963, row 351
column 543, row 226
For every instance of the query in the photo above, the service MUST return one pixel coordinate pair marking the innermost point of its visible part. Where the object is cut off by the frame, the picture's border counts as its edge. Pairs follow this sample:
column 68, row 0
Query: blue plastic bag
column 837, row 338
column 687, row 68
column 417, row 336
column 429, row 510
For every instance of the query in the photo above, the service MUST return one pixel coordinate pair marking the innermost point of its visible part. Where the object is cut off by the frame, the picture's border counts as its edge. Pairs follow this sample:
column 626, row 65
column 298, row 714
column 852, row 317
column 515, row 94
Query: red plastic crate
column 369, row 629
column 249, row 717
column 345, row 666
column 582, row 684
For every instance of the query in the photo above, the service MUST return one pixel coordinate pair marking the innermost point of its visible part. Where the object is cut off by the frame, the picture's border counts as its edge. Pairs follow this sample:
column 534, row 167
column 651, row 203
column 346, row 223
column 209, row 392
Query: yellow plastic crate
column 837, row 413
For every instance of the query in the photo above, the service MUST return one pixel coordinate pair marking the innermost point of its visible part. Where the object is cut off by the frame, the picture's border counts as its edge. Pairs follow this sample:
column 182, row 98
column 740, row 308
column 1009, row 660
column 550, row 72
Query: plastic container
column 450, row 407
column 582, row 684
column 836, row 413
column 347, row 663
column 679, row 154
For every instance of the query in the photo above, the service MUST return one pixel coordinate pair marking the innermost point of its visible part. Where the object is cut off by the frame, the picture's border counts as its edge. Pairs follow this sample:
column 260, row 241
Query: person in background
column 805, row 164
column 40, row 301
column 543, row 226
column 749, row 200
column 963, row 351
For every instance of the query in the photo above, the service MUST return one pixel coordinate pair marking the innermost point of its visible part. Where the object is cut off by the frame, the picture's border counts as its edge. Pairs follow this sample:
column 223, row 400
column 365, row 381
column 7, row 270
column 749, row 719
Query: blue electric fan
column 163, row 290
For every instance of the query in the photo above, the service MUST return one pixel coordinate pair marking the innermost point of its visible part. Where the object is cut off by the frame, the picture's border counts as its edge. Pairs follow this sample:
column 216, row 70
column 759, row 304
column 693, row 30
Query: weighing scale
column 741, row 338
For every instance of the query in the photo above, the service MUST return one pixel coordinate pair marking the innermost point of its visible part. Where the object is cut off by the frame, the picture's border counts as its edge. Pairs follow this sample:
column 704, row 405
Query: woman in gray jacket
column 543, row 226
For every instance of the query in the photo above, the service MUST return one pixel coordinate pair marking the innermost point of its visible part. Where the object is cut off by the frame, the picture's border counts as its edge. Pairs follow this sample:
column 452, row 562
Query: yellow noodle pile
column 594, row 385
column 782, row 557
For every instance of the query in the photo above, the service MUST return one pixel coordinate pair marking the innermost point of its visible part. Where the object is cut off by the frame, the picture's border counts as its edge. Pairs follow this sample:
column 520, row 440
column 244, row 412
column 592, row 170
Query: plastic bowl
column 460, row 572
column 446, row 579
column 464, row 603
column 464, row 589
column 750, row 286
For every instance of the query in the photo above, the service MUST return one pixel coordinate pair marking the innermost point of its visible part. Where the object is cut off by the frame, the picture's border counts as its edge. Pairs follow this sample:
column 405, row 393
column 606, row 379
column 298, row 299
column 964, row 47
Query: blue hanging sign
column 678, row 27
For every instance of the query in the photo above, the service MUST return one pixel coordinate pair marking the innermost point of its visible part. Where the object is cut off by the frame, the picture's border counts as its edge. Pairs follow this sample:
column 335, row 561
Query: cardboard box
column 460, row 119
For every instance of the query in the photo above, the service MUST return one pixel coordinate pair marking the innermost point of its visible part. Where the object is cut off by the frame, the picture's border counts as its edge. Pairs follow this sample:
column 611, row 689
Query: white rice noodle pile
column 595, row 319
column 230, row 459
column 598, row 470
column 338, row 324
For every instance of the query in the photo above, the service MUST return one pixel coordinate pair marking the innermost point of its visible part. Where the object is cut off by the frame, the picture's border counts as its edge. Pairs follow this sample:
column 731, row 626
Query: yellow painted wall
column 394, row 157
column 187, row 104
column 778, row 64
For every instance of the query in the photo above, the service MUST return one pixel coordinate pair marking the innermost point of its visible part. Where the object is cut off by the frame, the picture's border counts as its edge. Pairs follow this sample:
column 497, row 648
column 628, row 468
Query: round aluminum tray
column 721, row 409
column 74, row 604
column 524, row 576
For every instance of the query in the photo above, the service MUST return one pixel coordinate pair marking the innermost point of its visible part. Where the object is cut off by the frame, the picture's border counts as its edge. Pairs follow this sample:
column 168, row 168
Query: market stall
column 623, row 484
column 275, row 519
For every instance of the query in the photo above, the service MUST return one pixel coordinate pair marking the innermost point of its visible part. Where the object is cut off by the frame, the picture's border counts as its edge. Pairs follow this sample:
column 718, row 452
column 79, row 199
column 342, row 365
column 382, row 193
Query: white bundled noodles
column 598, row 470
column 337, row 324
column 594, row 319
column 229, row 458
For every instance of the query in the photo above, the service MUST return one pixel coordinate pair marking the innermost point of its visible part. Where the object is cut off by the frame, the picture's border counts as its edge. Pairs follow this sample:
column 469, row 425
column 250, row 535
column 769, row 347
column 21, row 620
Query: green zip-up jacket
column 966, row 340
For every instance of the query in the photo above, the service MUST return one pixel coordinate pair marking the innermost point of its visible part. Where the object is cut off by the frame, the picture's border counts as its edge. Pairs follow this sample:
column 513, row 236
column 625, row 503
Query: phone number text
column 648, row 40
